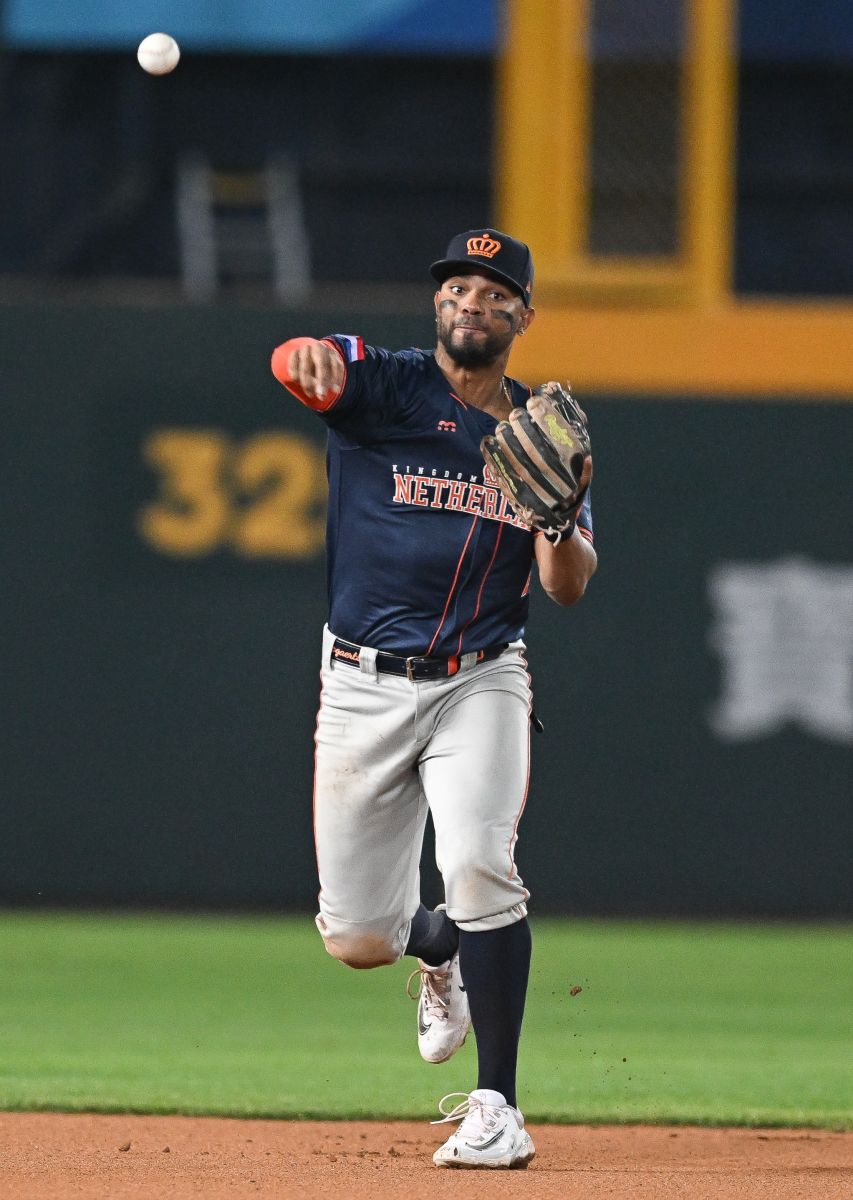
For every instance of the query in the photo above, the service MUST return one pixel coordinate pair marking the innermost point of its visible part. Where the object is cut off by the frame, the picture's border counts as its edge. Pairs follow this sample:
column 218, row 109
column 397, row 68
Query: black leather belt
column 414, row 667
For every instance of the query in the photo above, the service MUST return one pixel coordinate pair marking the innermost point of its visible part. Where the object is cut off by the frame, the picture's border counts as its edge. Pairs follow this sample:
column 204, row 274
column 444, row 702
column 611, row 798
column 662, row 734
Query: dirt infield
column 45, row 1156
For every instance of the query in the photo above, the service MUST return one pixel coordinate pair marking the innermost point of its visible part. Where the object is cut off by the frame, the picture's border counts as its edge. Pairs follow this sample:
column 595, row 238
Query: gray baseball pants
column 388, row 750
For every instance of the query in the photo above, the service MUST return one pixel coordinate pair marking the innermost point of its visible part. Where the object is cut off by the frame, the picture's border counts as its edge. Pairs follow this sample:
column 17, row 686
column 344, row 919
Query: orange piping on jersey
column 458, row 401
column 452, row 586
column 280, row 365
column 480, row 592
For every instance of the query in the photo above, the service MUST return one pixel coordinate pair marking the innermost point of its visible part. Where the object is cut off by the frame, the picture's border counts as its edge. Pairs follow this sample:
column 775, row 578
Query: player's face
column 477, row 319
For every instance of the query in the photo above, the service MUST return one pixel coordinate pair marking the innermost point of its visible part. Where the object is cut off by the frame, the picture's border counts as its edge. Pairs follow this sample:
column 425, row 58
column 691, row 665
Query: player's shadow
column 432, row 887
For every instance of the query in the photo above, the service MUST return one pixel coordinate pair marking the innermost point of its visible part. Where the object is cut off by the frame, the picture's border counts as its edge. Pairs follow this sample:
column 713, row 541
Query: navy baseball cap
column 488, row 252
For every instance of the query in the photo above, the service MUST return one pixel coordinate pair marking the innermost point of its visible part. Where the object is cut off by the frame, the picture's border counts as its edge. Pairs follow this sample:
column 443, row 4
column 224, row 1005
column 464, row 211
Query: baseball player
column 425, row 695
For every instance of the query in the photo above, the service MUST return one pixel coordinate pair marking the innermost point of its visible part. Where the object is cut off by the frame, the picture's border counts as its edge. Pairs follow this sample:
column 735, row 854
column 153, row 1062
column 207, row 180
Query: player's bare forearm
column 566, row 569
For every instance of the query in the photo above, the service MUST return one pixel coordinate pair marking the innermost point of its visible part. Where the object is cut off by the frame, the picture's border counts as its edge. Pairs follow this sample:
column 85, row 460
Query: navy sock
column 495, row 966
column 434, row 938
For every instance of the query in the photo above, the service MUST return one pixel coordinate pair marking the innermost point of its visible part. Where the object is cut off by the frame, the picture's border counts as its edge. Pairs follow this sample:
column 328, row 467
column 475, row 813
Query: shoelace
column 435, row 991
column 476, row 1116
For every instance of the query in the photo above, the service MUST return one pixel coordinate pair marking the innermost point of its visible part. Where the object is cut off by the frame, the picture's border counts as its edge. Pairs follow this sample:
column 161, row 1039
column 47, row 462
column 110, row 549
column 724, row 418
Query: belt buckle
column 410, row 667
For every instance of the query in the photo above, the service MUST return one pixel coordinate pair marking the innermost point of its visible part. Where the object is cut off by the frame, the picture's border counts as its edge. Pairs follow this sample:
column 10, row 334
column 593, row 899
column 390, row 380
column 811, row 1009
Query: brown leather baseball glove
column 541, row 459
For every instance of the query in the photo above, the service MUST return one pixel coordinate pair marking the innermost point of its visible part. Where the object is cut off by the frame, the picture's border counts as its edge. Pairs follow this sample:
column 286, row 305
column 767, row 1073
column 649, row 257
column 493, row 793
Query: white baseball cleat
column 443, row 1015
column 491, row 1135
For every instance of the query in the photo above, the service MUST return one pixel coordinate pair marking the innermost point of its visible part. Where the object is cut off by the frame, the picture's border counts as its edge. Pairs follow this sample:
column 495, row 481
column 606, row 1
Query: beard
column 469, row 349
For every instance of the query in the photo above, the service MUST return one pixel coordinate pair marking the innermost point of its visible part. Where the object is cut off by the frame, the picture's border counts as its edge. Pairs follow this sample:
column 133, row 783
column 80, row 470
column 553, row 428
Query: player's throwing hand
column 315, row 367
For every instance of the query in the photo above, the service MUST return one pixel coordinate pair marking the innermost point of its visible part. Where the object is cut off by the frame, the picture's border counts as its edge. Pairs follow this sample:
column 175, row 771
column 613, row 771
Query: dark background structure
column 394, row 152
column 157, row 706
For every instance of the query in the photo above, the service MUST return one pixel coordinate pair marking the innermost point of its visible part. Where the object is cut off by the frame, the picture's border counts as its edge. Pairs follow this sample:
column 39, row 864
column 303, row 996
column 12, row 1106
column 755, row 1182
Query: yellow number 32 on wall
column 262, row 498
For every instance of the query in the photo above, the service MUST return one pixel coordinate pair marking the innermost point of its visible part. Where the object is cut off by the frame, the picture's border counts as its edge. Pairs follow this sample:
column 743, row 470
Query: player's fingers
column 310, row 369
column 336, row 372
column 327, row 370
column 319, row 354
column 296, row 366
column 586, row 473
column 302, row 369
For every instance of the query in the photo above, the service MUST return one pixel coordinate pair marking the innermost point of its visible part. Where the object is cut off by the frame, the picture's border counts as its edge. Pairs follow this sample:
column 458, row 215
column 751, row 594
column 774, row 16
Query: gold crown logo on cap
column 483, row 246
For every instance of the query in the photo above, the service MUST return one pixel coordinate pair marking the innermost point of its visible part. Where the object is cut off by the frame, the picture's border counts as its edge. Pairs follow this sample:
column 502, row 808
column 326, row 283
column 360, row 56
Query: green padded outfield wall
column 163, row 595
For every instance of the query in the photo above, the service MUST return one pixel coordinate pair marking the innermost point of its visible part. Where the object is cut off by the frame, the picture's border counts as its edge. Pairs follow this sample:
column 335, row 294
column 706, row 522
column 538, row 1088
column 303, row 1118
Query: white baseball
column 158, row 54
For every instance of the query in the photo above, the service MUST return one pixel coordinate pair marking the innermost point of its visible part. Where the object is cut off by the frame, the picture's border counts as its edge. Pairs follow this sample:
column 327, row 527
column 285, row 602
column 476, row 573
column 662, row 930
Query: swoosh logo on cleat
column 422, row 1028
column 485, row 1145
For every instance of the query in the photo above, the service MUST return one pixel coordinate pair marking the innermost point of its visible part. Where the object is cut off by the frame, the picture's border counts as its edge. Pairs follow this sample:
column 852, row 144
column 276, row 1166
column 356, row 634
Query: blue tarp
column 772, row 30
column 319, row 26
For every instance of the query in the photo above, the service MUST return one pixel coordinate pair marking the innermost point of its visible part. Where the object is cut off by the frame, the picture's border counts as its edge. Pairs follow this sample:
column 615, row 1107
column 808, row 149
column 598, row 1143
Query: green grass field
column 708, row 1023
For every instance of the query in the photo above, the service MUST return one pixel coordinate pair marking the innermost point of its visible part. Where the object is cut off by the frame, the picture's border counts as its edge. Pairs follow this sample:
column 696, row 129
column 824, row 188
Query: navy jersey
column 424, row 554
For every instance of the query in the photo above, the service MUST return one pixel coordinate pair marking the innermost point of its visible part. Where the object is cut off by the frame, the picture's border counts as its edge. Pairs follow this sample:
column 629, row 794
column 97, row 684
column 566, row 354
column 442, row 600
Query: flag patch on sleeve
column 353, row 347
